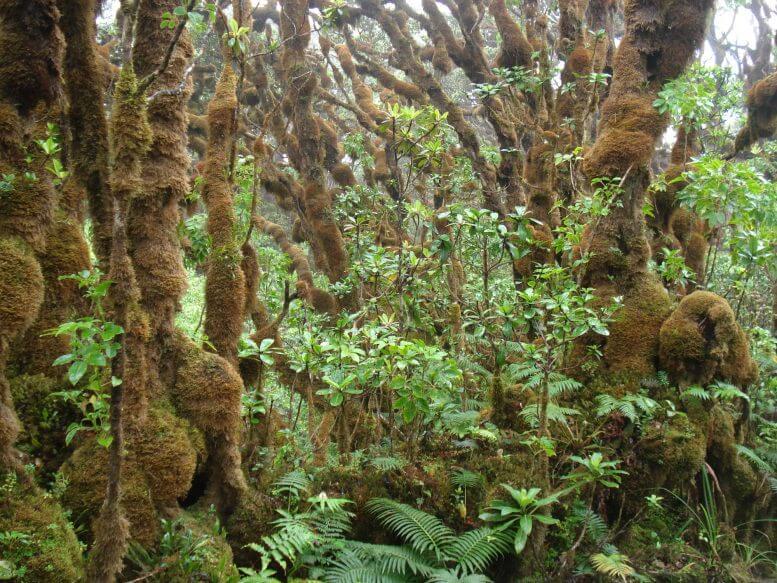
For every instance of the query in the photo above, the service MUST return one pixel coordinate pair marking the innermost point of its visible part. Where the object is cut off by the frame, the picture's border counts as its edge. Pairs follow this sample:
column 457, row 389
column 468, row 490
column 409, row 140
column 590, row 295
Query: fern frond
column 293, row 483
column 614, row 565
column 467, row 479
column 473, row 551
column 391, row 559
column 454, row 576
column 697, row 393
column 422, row 531
column 350, row 568
column 286, row 545
column 755, row 459
column 728, row 392
column 388, row 463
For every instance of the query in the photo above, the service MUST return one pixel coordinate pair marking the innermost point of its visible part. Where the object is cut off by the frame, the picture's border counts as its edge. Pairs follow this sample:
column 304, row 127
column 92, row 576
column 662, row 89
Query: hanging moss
column 153, row 218
column 84, row 69
column 31, row 46
column 761, row 112
column 225, row 284
column 50, row 552
column 701, row 341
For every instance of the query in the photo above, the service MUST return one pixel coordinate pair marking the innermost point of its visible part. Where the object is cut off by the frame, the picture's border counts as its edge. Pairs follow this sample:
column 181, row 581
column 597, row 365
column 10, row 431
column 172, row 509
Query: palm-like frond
column 422, row 531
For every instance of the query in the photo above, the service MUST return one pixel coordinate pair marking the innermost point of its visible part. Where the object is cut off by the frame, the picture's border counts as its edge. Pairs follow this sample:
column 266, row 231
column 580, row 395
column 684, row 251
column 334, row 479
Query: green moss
column 207, row 390
column 21, row 287
column 86, row 474
column 44, row 418
column 250, row 521
column 44, row 544
column 701, row 341
column 674, row 451
column 158, row 468
column 214, row 552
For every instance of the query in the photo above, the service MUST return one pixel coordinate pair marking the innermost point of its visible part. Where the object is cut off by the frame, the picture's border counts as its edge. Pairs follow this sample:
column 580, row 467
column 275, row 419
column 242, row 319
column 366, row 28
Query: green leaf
column 76, row 371
column 64, row 359
column 520, row 541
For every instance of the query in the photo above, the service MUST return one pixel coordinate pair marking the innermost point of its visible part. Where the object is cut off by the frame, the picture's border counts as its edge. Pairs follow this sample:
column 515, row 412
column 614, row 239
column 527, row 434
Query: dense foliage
column 360, row 291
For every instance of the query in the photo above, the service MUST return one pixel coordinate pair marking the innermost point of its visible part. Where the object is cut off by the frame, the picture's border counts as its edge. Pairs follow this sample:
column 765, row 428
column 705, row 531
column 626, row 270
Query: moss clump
column 632, row 345
column 44, row 418
column 166, row 454
column 701, row 341
column 21, row 287
column 214, row 552
column 86, row 473
column 157, row 470
column 674, row 451
column 761, row 112
column 48, row 550
column 66, row 252
column 207, row 390
column 251, row 520
column 739, row 482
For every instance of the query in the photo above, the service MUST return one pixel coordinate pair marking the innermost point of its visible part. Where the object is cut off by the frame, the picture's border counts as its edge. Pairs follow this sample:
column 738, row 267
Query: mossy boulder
column 38, row 540
column 250, row 521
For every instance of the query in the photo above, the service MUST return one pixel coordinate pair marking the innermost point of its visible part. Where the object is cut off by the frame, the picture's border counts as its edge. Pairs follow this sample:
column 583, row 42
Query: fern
column 613, row 565
column 466, row 479
column 595, row 525
column 293, row 483
column 388, row 463
column 422, row 531
column 476, row 549
column 455, row 576
column 348, row 567
column 727, row 392
column 755, row 459
column 391, row 559
column 696, row 392
column 286, row 545
column 559, row 383
column 556, row 413
column 632, row 407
